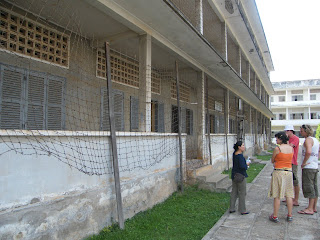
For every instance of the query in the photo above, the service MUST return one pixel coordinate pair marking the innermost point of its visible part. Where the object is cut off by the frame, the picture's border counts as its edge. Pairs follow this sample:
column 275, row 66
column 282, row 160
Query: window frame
column 26, row 100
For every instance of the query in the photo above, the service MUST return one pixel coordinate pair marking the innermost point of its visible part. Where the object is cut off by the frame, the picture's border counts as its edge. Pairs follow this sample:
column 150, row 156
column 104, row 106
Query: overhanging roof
column 169, row 27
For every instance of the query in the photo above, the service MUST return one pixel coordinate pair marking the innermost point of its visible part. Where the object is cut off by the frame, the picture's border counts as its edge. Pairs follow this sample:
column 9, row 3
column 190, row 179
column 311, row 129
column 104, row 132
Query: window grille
column 218, row 106
column 280, row 93
column 315, row 90
column 155, row 81
column 184, row 91
column 124, row 69
column 297, row 92
column 23, row 36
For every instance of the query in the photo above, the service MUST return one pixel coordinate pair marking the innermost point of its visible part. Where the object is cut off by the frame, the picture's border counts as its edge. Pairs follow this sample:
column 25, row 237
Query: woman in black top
column 239, row 188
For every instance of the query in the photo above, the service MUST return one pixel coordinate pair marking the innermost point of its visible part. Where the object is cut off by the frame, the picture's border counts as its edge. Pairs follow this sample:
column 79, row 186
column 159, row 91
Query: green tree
column 318, row 133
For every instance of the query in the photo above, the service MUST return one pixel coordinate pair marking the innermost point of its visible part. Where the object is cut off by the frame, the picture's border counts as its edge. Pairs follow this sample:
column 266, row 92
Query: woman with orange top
column 281, row 181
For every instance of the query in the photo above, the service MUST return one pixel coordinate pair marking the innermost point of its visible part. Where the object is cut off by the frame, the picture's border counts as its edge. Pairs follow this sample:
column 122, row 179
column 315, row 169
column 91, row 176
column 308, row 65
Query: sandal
column 273, row 219
column 304, row 212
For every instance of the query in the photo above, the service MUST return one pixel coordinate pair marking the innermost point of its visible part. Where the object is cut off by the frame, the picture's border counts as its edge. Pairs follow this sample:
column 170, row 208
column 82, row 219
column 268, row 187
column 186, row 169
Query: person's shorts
column 295, row 173
column 310, row 183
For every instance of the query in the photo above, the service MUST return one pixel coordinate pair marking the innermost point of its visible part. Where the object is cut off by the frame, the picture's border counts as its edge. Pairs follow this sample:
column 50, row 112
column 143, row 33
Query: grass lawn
column 182, row 216
column 252, row 172
column 264, row 157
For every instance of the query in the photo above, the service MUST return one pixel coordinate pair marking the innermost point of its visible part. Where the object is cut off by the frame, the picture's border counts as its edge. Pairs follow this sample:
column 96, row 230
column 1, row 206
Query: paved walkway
column 256, row 225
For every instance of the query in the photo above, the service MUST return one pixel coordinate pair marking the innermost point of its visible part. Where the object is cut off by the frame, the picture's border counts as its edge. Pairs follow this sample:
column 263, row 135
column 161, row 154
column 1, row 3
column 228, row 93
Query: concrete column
column 309, row 111
column 226, row 110
column 201, row 114
column 224, row 41
column 260, row 86
column 199, row 16
column 249, row 72
column 255, row 126
column 240, row 61
column 145, row 83
column 255, row 83
column 287, row 109
column 250, row 117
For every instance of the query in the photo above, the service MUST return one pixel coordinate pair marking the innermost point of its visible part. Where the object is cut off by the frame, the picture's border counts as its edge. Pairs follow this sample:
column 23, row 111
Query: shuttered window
column 186, row 120
column 157, row 116
column 31, row 100
column 189, row 121
column 134, row 114
column 117, row 98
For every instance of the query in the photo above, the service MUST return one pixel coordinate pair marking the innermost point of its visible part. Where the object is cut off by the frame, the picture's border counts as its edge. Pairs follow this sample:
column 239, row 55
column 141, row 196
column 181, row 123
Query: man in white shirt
column 310, row 156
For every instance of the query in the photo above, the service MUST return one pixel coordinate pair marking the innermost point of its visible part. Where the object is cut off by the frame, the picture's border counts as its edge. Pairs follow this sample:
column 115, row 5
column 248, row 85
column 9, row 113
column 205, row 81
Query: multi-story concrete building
column 57, row 171
column 295, row 103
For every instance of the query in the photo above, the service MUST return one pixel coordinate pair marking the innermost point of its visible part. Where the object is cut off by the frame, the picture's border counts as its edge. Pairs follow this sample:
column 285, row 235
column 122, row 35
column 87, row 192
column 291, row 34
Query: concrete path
column 256, row 225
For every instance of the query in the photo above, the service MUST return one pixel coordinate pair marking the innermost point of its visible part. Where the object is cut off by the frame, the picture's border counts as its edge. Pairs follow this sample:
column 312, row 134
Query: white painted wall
column 43, row 176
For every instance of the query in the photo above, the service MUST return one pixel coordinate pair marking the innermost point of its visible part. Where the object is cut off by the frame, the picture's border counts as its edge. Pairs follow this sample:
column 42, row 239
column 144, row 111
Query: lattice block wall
column 21, row 35
column 155, row 81
column 184, row 91
column 124, row 69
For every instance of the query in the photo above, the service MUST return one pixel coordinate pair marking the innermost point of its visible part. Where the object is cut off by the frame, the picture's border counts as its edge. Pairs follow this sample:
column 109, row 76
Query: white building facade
column 295, row 103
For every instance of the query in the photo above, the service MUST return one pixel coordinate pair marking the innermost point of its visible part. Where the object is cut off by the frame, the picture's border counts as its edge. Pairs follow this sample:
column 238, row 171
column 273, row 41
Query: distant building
column 296, row 103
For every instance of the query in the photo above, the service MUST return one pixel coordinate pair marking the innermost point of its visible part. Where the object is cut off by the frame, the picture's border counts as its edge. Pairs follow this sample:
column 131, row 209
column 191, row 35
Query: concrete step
column 208, row 178
column 215, row 183
column 216, row 179
column 224, row 186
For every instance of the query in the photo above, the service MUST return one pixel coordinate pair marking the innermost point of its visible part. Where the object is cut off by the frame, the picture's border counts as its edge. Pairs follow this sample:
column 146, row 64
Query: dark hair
column 282, row 136
column 237, row 145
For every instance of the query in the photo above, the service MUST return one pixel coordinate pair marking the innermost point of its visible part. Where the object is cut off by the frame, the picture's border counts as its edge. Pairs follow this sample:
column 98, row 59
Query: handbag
column 238, row 177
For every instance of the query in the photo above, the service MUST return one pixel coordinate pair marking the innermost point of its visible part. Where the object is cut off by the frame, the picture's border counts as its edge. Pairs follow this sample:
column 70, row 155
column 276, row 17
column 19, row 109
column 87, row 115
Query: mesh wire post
column 179, row 128
column 208, row 118
column 113, row 141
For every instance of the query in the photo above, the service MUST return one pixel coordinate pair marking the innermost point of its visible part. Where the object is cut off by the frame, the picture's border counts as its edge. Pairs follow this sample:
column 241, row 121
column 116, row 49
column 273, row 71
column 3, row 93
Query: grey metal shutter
column 191, row 121
column 12, row 98
column 35, row 101
column 216, row 123
column 118, row 110
column 105, row 124
column 118, row 101
column 55, row 107
column 221, row 122
column 161, row 117
column 183, row 120
column 134, row 114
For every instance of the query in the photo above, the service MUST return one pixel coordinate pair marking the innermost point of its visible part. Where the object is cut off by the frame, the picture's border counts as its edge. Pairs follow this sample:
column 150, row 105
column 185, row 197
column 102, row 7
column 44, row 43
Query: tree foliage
column 318, row 133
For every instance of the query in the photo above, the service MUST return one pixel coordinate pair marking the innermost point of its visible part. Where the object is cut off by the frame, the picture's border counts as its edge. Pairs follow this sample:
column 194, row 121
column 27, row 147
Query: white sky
column 292, row 29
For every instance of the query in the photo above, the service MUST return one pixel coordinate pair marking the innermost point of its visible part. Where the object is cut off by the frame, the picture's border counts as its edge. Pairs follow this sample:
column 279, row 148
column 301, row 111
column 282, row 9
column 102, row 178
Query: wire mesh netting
column 54, row 99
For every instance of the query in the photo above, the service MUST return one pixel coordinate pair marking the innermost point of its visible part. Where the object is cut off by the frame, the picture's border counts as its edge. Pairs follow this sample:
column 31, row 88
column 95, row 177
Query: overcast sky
column 292, row 29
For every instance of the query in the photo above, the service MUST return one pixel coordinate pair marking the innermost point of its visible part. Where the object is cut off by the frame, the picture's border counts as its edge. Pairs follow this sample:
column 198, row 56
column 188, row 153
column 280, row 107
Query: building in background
column 295, row 103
